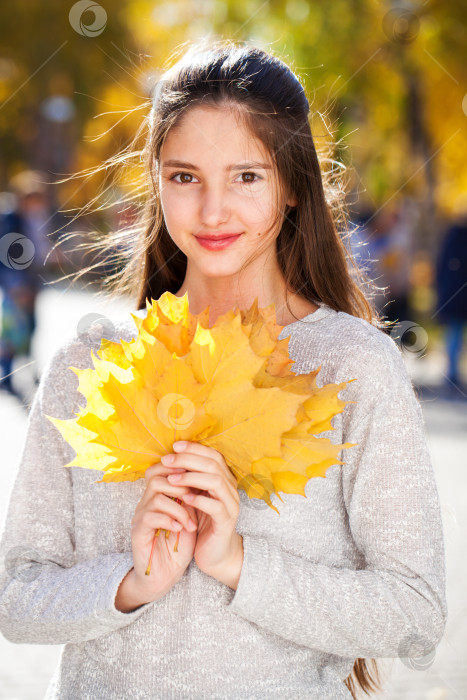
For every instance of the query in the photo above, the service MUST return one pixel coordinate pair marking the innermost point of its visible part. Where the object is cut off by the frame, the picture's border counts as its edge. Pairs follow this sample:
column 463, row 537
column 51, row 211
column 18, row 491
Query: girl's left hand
column 217, row 542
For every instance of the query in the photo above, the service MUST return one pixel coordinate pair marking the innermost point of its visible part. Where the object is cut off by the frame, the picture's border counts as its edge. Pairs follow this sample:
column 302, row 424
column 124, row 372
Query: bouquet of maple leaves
column 228, row 386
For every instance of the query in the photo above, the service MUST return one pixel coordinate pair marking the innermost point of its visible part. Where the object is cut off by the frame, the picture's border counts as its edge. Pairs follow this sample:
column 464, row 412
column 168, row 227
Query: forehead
column 206, row 132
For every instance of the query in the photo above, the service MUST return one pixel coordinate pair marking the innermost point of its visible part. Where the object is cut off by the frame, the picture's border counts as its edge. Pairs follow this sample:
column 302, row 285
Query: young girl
column 252, row 605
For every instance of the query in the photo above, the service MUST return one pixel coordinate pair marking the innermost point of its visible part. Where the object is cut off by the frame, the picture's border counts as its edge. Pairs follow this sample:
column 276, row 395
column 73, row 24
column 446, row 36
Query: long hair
column 269, row 100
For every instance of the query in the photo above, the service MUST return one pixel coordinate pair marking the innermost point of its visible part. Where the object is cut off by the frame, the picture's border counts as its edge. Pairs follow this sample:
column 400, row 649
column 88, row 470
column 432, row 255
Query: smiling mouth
column 214, row 244
column 218, row 238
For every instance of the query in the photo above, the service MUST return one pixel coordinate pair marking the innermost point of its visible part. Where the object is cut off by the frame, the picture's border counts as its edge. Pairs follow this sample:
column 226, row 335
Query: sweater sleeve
column 397, row 598
column 46, row 596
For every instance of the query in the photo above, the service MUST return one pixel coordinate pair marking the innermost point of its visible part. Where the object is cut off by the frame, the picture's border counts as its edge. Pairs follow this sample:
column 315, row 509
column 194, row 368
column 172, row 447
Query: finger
column 216, row 509
column 200, row 450
column 214, row 484
column 167, row 520
column 195, row 463
column 157, row 469
column 169, row 490
column 194, row 449
column 159, row 484
column 151, row 521
column 164, row 504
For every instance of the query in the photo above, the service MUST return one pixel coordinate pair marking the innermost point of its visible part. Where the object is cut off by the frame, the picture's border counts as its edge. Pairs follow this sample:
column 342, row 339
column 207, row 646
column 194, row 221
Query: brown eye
column 252, row 178
column 184, row 182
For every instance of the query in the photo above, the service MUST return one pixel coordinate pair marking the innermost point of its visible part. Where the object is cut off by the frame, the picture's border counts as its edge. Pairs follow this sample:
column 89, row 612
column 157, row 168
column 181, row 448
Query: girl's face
column 215, row 178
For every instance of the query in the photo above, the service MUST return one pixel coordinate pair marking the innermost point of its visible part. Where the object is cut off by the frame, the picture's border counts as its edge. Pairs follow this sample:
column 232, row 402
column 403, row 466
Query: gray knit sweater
column 355, row 569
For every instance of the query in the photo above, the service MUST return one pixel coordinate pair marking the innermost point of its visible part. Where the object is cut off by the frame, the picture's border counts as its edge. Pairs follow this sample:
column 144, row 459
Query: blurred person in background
column 383, row 245
column 26, row 219
column 366, row 244
column 397, row 258
column 451, row 283
column 369, row 243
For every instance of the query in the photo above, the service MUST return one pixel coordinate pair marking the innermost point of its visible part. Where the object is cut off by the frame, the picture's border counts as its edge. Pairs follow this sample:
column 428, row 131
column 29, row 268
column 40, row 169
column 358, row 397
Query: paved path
column 25, row 669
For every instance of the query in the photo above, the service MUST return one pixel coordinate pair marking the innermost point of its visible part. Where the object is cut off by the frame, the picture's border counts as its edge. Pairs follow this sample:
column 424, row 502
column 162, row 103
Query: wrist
column 229, row 572
column 130, row 594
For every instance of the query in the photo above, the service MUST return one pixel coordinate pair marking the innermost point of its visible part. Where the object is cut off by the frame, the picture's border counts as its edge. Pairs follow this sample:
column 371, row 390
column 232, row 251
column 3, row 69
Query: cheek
column 259, row 211
column 178, row 214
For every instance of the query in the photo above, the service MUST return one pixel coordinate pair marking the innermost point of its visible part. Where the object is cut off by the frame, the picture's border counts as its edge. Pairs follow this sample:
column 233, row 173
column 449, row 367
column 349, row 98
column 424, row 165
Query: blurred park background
column 387, row 86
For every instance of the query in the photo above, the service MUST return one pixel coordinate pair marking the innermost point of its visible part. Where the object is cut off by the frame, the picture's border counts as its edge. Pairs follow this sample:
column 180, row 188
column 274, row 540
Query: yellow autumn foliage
column 228, row 386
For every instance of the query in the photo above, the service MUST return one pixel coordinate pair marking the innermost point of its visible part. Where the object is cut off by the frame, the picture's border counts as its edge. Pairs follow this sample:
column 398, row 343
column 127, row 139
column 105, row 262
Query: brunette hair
column 268, row 98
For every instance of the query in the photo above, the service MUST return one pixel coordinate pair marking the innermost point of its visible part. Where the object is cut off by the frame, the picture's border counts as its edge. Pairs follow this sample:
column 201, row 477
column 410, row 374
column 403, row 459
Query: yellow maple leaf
column 228, row 386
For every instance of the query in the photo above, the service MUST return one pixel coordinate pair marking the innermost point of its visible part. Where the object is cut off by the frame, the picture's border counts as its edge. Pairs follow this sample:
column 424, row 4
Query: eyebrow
column 232, row 166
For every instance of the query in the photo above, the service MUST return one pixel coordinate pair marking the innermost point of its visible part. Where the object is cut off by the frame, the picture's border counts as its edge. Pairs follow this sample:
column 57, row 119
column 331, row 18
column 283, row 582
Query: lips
column 218, row 243
column 218, row 238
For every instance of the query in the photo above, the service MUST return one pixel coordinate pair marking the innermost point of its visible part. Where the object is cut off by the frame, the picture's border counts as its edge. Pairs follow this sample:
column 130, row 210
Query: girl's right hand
column 157, row 510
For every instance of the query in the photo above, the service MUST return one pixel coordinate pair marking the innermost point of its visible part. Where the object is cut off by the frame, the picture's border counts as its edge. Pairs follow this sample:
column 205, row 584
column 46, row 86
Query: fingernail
column 167, row 459
column 180, row 444
column 174, row 477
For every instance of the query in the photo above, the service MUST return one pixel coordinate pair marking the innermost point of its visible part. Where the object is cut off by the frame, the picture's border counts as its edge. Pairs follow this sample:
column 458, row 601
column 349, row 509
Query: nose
column 214, row 207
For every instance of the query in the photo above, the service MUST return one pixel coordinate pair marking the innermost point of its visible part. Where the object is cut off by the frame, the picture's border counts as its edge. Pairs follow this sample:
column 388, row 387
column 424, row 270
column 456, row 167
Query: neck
column 199, row 299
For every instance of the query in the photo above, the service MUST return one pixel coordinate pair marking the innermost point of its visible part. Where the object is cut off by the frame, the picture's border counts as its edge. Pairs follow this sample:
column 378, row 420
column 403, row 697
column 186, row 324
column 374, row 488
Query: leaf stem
column 167, row 534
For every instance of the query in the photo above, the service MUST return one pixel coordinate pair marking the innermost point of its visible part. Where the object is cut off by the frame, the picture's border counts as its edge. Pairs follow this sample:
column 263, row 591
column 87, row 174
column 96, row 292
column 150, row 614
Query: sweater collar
column 321, row 312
